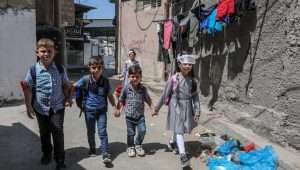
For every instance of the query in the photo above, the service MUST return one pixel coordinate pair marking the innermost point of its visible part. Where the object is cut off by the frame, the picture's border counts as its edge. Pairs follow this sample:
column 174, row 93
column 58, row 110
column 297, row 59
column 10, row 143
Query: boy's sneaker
column 172, row 147
column 46, row 159
column 92, row 152
column 184, row 160
column 106, row 158
column 131, row 152
column 139, row 150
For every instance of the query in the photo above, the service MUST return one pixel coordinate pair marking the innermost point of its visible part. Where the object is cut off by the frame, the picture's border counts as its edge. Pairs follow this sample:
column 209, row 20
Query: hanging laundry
column 244, row 6
column 177, row 36
column 193, row 37
column 163, row 55
column 225, row 8
column 185, row 20
column 210, row 24
column 167, row 34
column 202, row 12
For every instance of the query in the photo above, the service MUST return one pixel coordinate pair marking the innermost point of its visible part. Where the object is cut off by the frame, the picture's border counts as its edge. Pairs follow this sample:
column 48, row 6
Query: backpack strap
column 104, row 82
column 60, row 68
column 175, row 81
column 33, row 77
column 85, row 89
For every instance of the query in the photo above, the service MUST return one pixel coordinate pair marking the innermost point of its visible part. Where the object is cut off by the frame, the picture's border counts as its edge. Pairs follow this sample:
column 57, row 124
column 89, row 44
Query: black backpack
column 60, row 69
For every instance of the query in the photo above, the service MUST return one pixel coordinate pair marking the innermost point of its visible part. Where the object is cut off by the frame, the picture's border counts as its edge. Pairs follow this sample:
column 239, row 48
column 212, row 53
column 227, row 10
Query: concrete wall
column 253, row 67
column 55, row 12
column 138, row 31
column 17, row 46
column 250, row 71
column 24, row 4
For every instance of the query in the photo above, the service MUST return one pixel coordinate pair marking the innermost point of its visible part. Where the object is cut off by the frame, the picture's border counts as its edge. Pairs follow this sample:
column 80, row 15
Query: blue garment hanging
column 211, row 24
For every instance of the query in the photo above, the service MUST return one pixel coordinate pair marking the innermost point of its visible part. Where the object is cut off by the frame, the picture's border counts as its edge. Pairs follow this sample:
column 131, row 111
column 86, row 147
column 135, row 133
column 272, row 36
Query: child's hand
column 117, row 113
column 154, row 113
column 30, row 112
column 120, row 76
column 68, row 103
column 196, row 118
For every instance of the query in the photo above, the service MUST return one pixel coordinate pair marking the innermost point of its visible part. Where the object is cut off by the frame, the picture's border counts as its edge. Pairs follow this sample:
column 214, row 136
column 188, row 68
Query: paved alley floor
column 20, row 145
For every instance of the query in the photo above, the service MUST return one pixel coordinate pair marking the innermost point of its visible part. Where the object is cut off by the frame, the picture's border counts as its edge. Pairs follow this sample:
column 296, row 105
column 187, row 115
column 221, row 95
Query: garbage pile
column 226, row 153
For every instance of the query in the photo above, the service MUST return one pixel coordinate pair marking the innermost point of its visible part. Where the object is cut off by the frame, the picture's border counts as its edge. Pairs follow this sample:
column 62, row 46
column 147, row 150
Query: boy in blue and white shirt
column 97, row 92
column 45, row 88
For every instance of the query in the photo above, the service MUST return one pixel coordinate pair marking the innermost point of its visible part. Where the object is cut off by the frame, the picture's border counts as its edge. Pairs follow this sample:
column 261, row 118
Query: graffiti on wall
column 138, row 45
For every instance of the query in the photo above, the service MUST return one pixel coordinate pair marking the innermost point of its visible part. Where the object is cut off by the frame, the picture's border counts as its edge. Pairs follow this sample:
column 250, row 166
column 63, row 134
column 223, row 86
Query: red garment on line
column 167, row 34
column 225, row 8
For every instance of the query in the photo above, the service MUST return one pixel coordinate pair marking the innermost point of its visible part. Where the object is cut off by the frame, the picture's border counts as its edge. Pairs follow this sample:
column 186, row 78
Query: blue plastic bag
column 262, row 159
column 228, row 148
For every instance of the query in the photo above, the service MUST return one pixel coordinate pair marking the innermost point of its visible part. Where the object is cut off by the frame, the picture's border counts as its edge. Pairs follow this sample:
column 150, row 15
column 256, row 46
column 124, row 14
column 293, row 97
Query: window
column 142, row 4
column 74, row 52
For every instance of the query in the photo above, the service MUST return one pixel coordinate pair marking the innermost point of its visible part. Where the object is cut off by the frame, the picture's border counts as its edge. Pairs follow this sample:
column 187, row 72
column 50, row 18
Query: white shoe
column 131, row 152
column 139, row 150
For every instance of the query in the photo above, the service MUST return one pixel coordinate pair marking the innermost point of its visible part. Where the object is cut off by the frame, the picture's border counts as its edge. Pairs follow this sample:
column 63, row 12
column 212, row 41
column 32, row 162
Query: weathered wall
column 17, row 4
column 67, row 9
column 55, row 12
column 253, row 66
column 266, row 43
column 138, row 31
column 17, row 49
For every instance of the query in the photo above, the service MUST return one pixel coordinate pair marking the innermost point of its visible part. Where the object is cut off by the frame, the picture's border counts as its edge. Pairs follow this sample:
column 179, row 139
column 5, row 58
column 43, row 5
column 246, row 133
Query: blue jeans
column 93, row 117
column 132, row 125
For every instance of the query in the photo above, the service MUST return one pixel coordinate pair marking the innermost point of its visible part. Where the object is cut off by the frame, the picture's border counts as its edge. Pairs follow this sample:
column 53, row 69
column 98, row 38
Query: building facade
column 17, row 46
column 137, row 29
column 250, row 65
column 101, row 34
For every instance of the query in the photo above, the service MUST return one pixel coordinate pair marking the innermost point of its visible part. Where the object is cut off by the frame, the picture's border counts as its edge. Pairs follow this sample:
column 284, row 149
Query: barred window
column 142, row 4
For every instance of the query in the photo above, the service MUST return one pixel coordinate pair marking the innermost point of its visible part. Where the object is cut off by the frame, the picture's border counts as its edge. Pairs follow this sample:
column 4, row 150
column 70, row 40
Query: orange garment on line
column 225, row 8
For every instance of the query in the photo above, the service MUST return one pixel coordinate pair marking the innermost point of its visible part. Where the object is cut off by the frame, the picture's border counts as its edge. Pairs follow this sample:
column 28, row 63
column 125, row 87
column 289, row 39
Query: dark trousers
column 93, row 117
column 132, row 125
column 52, row 125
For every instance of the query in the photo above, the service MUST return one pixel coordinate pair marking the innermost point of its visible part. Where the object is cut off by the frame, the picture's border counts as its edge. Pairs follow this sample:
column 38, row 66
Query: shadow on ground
column 20, row 149
column 116, row 148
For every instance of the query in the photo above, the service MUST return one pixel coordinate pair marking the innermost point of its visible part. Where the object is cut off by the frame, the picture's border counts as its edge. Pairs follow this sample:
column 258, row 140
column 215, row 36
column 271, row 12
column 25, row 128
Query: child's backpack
column 82, row 93
column 174, row 83
column 60, row 69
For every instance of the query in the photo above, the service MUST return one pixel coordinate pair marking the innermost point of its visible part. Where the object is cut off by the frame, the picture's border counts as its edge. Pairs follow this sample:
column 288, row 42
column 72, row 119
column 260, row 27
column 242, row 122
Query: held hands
column 154, row 113
column 68, row 103
column 117, row 112
column 30, row 112
column 120, row 76
column 197, row 117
